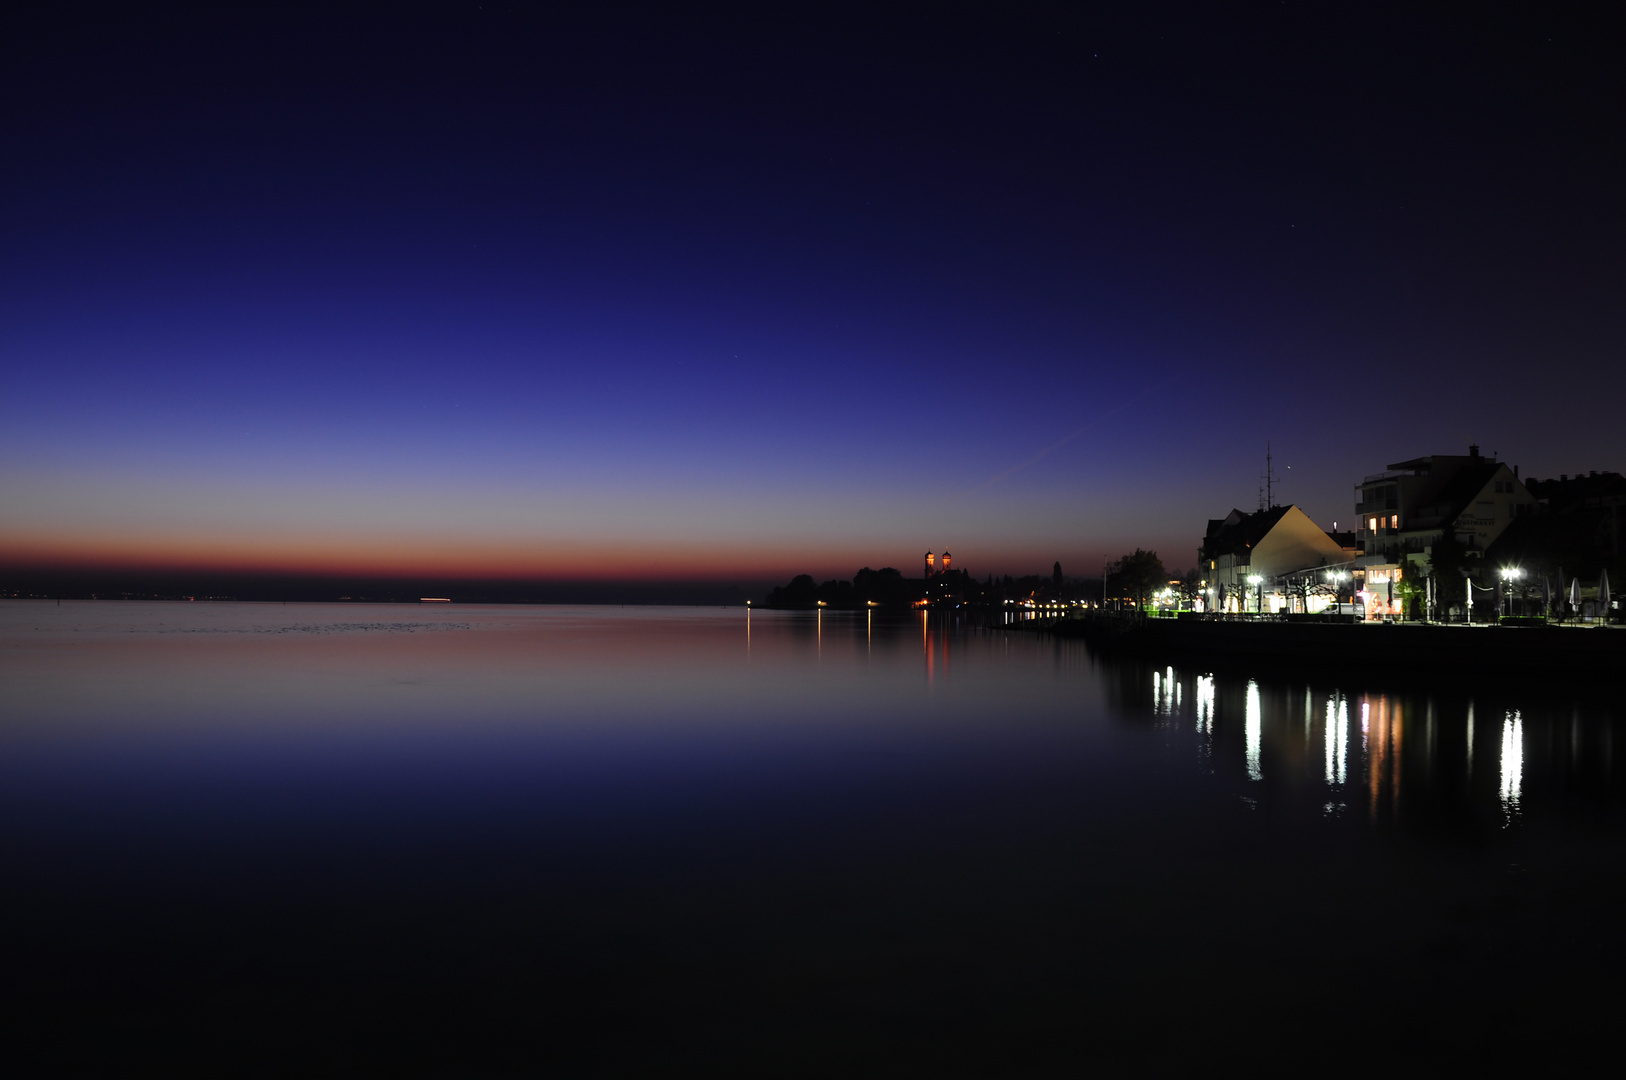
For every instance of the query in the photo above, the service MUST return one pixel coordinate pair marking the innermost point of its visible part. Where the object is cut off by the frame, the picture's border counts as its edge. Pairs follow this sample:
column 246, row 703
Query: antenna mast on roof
column 1267, row 490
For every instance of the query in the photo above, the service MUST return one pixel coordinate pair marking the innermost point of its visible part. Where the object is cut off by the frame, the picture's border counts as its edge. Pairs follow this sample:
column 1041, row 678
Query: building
column 944, row 584
column 1405, row 509
column 1583, row 523
column 1273, row 560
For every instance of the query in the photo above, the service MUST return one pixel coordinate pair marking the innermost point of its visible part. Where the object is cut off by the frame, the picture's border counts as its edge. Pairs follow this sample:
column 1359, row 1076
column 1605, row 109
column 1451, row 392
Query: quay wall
column 1417, row 648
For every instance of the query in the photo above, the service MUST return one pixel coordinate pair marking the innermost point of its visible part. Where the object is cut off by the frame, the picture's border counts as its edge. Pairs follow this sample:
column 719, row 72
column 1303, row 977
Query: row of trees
column 888, row 587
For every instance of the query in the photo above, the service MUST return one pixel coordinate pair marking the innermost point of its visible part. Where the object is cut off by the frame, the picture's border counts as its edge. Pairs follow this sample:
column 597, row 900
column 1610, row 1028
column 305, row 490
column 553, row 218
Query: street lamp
column 1337, row 578
column 1258, row 584
column 1510, row 574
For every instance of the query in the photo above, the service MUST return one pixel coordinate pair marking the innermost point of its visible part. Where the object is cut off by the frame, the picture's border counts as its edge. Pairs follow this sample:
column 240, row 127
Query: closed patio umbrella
column 1603, row 596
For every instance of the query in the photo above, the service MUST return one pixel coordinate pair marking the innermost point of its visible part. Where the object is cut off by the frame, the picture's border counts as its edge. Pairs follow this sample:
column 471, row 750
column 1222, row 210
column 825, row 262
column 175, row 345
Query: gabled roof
column 1238, row 532
column 1455, row 496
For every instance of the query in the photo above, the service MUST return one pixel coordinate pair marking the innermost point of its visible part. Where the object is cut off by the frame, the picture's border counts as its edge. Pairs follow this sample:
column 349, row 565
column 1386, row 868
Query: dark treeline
column 885, row 587
column 888, row 587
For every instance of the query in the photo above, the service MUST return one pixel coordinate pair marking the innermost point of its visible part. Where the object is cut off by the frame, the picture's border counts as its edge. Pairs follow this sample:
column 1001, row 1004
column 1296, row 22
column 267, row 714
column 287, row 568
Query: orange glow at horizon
column 380, row 557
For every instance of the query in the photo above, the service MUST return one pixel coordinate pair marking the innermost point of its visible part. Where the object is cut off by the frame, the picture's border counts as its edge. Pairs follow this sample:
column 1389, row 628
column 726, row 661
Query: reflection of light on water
column 1512, row 763
column 1255, row 731
column 1165, row 693
column 1382, row 738
column 926, row 647
column 1205, row 704
column 1470, row 739
column 1205, row 720
column 1336, row 737
column 1428, row 738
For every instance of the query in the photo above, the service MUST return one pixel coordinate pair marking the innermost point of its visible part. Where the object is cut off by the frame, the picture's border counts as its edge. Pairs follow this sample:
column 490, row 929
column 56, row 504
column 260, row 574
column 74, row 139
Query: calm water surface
column 495, row 841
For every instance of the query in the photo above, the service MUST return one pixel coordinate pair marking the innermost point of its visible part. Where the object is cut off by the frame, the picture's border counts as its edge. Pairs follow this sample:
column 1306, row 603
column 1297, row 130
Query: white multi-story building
column 1405, row 509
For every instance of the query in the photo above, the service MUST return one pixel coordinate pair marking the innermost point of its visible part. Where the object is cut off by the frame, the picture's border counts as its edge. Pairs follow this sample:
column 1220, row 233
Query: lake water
column 504, row 840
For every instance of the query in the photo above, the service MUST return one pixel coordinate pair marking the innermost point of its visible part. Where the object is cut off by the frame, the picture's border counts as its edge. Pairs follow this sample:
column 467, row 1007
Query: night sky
column 716, row 294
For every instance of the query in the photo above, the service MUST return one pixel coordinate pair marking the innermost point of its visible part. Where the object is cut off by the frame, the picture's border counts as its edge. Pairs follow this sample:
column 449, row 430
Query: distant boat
column 434, row 599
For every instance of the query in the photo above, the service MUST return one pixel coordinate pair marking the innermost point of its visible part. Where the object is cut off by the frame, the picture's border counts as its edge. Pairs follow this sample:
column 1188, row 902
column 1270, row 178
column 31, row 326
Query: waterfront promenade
column 1589, row 652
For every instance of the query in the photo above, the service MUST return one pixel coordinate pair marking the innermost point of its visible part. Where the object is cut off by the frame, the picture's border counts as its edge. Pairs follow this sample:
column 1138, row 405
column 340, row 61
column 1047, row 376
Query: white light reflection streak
column 1165, row 693
column 1330, row 736
column 1512, row 764
column 1470, row 739
column 1205, row 721
column 1255, row 731
column 1337, row 739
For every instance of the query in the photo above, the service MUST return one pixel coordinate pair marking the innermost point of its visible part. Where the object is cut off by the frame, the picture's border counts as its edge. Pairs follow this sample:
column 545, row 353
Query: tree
column 885, row 586
column 802, row 592
column 1138, row 576
column 1191, row 588
column 1412, row 588
column 1448, row 565
column 1056, row 579
column 1307, row 583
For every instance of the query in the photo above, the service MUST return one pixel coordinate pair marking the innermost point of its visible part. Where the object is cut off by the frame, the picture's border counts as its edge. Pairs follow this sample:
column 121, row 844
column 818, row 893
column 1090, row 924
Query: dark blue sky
column 735, row 293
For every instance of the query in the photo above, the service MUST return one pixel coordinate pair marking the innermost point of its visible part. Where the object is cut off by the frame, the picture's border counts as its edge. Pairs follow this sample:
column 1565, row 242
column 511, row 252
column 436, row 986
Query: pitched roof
column 1239, row 531
column 1455, row 497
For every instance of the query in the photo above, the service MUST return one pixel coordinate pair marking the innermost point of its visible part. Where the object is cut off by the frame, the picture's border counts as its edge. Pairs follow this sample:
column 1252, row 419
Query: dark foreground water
column 511, row 841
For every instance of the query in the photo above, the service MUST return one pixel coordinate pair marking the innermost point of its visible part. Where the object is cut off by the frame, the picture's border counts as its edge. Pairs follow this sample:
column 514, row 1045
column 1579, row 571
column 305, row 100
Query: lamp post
column 1258, row 584
column 1337, row 577
column 1510, row 574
